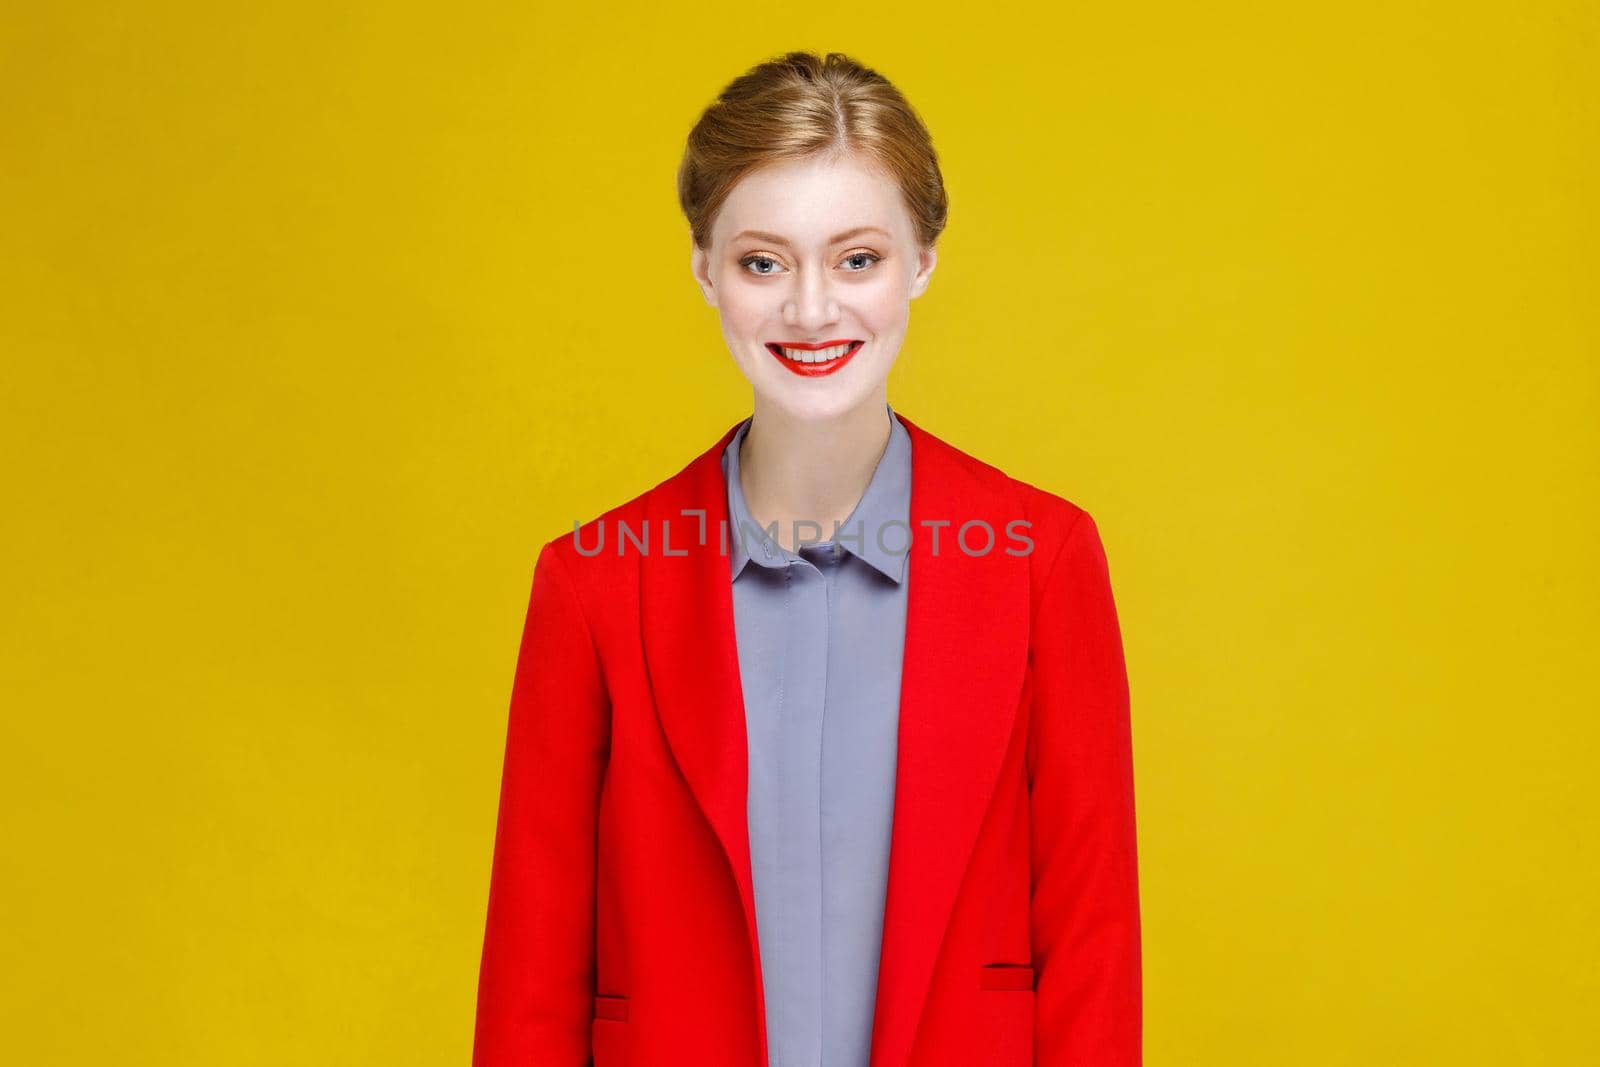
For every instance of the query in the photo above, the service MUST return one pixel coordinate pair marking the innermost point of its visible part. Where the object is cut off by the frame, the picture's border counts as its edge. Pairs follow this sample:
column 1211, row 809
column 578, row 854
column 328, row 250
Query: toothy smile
column 813, row 359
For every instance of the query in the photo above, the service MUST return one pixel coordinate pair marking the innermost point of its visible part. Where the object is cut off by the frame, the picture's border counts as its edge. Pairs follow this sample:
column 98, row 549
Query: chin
column 815, row 399
column 817, row 405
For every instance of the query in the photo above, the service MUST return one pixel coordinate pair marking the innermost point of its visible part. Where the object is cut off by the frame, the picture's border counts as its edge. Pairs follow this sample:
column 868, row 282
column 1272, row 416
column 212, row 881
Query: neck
column 805, row 471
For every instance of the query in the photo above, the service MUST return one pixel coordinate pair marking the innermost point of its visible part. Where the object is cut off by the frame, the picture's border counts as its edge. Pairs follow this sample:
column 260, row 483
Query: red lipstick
column 814, row 370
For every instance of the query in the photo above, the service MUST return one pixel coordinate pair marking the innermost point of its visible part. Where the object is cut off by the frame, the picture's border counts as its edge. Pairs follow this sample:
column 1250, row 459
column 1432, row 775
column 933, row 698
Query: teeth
column 819, row 356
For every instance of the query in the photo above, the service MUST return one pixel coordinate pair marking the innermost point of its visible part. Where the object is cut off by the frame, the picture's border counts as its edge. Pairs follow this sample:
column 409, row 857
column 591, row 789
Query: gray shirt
column 821, row 637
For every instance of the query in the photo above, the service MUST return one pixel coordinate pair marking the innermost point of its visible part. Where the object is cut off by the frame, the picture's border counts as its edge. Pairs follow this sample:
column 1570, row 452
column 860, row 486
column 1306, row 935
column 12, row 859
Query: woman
column 775, row 799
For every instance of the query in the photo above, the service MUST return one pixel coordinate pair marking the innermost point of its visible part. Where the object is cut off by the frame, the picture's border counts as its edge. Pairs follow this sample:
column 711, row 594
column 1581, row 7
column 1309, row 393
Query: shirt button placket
column 801, row 840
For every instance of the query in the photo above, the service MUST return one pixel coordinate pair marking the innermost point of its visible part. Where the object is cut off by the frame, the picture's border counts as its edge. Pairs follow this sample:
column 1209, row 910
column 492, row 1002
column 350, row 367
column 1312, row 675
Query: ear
column 700, row 265
column 926, row 261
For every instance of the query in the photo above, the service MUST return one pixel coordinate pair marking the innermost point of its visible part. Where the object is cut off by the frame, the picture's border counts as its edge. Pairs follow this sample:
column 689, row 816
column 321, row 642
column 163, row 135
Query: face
column 814, row 252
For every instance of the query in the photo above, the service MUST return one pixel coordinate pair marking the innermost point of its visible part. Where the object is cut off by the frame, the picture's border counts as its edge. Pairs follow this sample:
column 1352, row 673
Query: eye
column 748, row 260
column 862, row 255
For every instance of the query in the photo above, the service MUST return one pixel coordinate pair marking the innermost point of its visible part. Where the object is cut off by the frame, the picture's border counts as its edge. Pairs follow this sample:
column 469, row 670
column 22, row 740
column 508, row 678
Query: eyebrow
column 837, row 238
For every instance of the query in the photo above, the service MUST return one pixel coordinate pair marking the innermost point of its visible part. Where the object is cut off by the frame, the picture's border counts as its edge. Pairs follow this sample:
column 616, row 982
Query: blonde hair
column 800, row 105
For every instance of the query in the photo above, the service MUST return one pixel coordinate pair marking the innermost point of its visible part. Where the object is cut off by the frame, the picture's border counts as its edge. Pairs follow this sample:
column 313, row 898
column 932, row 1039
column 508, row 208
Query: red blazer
column 621, row 921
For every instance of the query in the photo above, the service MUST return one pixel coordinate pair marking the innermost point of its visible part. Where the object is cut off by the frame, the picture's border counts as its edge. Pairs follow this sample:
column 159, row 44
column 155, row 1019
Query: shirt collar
column 878, row 531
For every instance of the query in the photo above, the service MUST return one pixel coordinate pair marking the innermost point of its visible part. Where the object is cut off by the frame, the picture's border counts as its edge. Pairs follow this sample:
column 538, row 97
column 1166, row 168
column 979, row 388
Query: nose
column 811, row 305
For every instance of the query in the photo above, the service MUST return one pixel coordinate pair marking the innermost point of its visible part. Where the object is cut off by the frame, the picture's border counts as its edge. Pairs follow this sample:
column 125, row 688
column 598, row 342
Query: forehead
column 808, row 201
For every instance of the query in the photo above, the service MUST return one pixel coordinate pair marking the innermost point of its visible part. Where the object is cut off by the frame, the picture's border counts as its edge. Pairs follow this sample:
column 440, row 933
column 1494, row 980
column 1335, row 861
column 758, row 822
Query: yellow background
column 318, row 319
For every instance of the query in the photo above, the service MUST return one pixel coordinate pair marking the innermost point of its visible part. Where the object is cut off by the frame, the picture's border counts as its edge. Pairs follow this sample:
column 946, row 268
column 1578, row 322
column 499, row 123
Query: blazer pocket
column 1005, row 976
column 611, row 1006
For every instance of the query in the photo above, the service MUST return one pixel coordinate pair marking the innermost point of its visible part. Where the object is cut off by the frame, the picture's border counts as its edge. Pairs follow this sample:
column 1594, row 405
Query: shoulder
column 589, row 551
column 1049, row 519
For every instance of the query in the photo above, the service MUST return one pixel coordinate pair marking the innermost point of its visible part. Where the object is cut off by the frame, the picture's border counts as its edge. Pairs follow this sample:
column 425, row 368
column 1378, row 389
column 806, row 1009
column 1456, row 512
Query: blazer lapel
column 691, row 654
column 965, row 661
column 962, row 676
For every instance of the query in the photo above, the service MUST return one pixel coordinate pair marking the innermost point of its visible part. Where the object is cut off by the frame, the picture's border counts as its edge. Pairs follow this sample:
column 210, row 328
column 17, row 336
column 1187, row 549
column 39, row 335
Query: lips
column 821, row 367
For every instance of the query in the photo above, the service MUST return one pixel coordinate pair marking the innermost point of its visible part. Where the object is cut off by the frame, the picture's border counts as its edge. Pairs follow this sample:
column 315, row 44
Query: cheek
column 884, row 310
column 744, row 314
